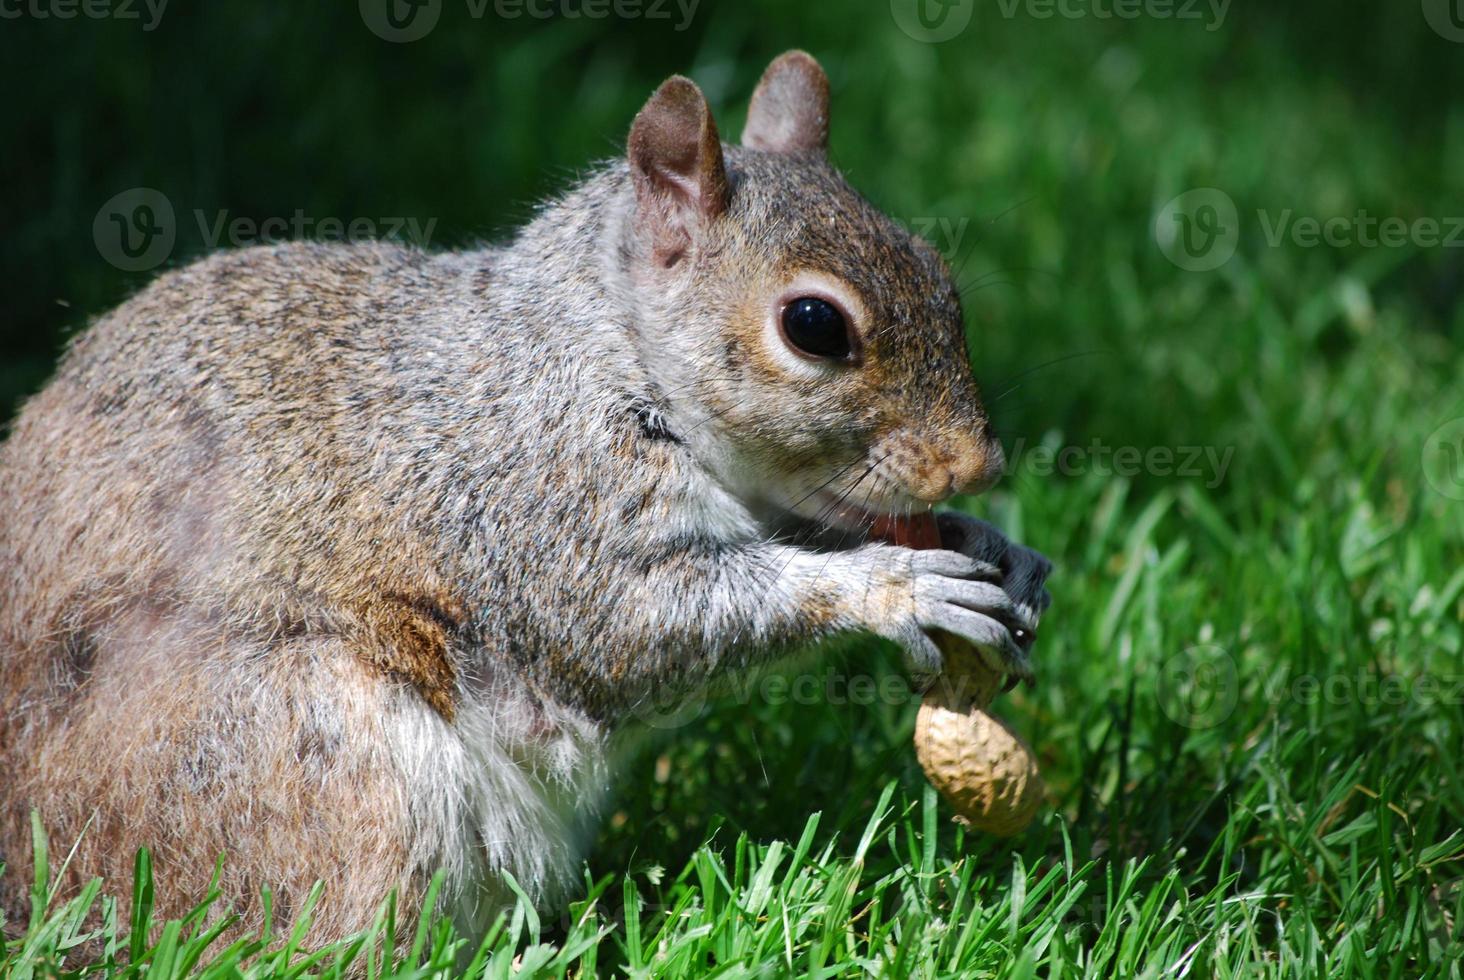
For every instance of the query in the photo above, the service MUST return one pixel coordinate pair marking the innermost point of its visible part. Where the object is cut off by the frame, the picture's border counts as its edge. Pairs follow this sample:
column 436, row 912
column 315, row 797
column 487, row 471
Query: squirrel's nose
column 970, row 464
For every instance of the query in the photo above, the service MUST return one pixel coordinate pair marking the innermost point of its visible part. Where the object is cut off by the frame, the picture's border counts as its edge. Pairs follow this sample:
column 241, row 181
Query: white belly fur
column 507, row 786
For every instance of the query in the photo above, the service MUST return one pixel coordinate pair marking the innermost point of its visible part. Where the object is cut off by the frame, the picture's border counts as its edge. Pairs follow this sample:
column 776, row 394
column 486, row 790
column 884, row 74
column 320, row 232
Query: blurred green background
column 1072, row 130
column 1039, row 152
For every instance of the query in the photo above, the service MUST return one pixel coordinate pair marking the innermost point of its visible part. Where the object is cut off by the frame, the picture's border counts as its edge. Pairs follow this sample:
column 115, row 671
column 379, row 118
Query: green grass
column 1299, row 816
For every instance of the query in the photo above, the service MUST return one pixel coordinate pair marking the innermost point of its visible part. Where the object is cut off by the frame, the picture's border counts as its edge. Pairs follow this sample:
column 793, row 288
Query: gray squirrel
column 360, row 563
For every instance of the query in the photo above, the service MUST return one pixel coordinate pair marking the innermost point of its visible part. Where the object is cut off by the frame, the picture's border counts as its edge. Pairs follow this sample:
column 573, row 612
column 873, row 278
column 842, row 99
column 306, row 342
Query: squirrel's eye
column 816, row 327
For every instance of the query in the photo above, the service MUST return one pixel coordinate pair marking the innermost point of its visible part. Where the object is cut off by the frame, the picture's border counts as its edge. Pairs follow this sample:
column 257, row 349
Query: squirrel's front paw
column 1024, row 571
column 962, row 596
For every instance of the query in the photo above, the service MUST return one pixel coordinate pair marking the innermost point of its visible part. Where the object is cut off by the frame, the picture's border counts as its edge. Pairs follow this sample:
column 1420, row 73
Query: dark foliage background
column 265, row 110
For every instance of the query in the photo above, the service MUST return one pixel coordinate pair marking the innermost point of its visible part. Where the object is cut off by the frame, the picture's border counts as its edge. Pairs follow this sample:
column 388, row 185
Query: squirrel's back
column 247, row 510
column 322, row 423
column 248, row 368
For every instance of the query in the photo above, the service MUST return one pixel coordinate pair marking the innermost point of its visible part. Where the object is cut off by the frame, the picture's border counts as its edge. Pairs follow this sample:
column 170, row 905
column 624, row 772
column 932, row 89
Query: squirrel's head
column 810, row 350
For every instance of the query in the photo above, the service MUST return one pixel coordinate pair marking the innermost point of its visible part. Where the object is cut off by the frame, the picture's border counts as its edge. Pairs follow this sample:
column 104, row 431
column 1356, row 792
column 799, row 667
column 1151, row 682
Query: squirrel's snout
column 969, row 464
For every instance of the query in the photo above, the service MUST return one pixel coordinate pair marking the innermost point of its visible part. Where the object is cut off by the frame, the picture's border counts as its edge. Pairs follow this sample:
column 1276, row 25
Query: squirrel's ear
column 676, row 163
column 789, row 112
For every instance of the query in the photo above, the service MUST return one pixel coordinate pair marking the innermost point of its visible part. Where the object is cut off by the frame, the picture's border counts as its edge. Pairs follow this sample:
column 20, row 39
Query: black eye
column 816, row 327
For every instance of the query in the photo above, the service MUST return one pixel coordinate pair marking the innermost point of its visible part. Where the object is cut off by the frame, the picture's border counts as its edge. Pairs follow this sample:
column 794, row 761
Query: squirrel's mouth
column 913, row 528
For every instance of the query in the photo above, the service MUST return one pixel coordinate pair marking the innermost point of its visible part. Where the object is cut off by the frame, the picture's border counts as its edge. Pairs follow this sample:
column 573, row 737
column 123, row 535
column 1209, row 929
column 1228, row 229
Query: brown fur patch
column 411, row 637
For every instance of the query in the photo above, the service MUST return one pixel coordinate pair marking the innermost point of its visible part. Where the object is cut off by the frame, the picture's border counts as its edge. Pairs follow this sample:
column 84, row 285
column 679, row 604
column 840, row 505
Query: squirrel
column 362, row 563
